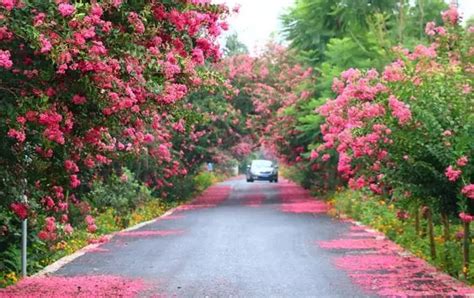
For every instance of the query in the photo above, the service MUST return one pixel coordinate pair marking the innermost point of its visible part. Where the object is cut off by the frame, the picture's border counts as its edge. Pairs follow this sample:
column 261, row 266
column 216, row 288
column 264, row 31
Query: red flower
column 20, row 209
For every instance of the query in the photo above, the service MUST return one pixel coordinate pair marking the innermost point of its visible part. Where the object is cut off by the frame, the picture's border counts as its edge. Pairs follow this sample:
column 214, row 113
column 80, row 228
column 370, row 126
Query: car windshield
column 262, row 164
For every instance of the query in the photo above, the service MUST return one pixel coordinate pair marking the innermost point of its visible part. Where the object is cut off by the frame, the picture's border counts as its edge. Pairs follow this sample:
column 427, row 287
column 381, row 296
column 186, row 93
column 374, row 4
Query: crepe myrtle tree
column 87, row 85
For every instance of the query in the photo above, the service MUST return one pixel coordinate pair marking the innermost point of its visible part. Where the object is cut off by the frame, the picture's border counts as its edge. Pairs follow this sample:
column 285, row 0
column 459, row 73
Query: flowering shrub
column 406, row 131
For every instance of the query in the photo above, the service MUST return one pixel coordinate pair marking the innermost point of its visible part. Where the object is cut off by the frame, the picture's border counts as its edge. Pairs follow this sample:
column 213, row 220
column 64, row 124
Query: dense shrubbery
column 400, row 226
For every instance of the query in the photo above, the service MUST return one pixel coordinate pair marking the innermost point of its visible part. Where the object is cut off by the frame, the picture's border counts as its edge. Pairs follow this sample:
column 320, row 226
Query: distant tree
column 311, row 24
column 470, row 22
column 233, row 46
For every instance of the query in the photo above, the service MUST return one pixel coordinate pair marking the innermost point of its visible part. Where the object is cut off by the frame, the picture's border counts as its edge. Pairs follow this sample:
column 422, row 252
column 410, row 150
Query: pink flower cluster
column 5, row 59
column 20, row 210
column 90, row 221
column 451, row 16
column 399, row 110
column 8, row 4
column 452, row 174
column 66, row 9
column 466, row 217
column 49, row 230
column 468, row 191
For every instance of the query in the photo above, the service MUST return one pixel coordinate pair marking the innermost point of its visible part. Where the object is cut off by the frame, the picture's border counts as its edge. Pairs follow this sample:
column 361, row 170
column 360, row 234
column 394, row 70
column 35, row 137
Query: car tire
column 276, row 180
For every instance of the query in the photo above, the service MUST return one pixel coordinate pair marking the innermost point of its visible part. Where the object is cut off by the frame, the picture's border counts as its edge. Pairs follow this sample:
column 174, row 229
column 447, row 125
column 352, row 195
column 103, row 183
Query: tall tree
column 233, row 46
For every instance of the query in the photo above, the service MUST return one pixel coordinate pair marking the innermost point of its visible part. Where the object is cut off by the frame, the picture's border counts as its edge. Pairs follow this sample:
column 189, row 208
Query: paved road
column 239, row 240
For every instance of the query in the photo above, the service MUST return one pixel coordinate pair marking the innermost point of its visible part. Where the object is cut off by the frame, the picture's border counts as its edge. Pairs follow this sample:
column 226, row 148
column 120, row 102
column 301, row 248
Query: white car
column 262, row 170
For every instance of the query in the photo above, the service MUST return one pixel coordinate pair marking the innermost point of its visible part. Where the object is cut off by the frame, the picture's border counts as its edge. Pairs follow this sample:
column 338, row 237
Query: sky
column 258, row 19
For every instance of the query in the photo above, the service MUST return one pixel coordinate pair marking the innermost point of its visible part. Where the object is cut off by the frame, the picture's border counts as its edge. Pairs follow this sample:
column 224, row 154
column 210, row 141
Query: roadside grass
column 400, row 226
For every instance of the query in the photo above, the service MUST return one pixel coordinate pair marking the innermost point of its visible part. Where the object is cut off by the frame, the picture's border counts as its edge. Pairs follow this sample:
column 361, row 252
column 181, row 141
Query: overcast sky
column 258, row 19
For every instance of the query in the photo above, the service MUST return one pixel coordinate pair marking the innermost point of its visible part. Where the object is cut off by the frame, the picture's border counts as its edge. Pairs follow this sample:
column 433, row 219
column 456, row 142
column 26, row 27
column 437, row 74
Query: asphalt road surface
column 238, row 240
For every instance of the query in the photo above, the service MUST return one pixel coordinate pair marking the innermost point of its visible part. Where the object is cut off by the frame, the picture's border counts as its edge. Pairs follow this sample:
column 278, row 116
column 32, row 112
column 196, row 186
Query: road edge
column 50, row 269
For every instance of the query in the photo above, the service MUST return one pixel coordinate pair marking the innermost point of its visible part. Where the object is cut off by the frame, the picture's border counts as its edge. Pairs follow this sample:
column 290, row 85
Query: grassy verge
column 108, row 221
column 401, row 227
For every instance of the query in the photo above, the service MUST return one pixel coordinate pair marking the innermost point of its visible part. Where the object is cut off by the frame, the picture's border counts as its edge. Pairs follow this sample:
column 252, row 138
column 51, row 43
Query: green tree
column 233, row 46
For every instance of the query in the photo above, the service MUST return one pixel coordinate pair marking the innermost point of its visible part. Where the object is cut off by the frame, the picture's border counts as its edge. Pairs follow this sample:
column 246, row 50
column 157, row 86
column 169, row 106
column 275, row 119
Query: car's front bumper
column 264, row 177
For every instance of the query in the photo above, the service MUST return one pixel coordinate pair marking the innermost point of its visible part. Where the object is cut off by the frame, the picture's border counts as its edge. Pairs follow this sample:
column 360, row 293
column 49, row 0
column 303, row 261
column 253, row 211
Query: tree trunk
column 447, row 233
column 431, row 234
column 466, row 249
column 401, row 22
column 417, row 221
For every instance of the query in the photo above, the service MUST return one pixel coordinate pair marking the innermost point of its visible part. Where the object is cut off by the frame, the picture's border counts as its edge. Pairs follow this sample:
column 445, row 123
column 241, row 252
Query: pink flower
column 92, row 228
column 78, row 99
column 96, row 10
column 399, row 110
column 8, row 4
column 466, row 89
column 18, row 135
column 394, row 72
column 38, row 20
column 124, row 178
column 71, row 166
column 326, row 157
column 45, row 44
column 136, row 23
column 66, row 9
column 447, row 133
column 48, row 202
column 68, row 229
column 5, row 61
column 459, row 235
column 451, row 15
column 179, row 127
column 462, row 161
column 89, row 220
column 468, row 191
column 314, row 154
column 198, row 56
column 74, row 181
column 403, row 215
column 89, row 162
column 64, row 218
column 430, row 28
column 466, row 217
column 441, row 31
column 20, row 209
column 43, row 235
column 148, row 138
column 50, row 224
column 357, row 184
column 452, row 174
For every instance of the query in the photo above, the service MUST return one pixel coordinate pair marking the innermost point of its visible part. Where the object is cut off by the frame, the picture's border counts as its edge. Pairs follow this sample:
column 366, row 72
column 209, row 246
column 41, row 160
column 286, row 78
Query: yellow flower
column 12, row 277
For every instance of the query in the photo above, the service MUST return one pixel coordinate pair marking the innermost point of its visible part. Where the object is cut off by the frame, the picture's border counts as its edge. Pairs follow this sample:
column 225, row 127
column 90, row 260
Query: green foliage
column 204, row 180
column 233, row 46
column 121, row 193
column 311, row 24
